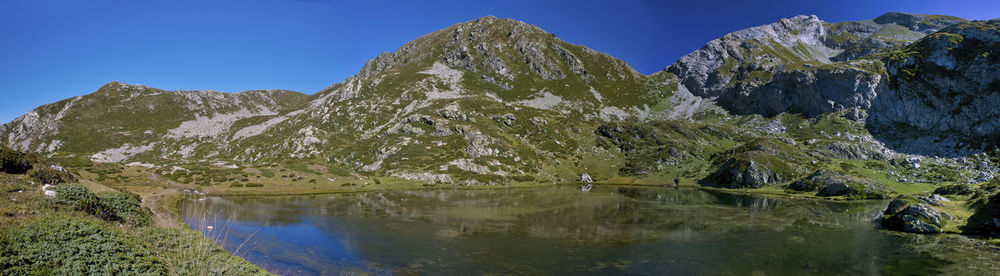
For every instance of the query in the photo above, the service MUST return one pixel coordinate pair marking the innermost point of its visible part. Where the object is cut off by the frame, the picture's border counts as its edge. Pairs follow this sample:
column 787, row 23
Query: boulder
column 756, row 164
column 741, row 174
column 907, row 214
column 834, row 183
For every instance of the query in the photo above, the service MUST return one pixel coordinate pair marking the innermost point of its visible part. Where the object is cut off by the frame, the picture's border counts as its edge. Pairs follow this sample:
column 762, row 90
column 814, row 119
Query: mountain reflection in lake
column 559, row 230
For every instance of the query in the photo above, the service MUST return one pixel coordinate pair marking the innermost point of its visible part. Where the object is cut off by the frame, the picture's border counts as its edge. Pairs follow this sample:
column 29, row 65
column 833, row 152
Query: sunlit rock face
column 947, row 83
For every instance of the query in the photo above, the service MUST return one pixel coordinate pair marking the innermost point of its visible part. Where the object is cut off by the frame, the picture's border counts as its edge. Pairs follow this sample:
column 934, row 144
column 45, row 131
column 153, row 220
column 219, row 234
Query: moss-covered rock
column 955, row 189
column 834, row 183
column 909, row 214
column 758, row 163
column 986, row 219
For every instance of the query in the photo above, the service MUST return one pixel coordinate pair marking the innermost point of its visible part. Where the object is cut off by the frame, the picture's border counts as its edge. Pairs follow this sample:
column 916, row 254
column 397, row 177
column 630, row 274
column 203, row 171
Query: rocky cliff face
column 801, row 64
column 946, row 84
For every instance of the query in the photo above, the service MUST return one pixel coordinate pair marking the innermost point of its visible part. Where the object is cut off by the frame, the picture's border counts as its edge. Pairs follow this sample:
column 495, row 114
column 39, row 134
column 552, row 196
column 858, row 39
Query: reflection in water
column 557, row 230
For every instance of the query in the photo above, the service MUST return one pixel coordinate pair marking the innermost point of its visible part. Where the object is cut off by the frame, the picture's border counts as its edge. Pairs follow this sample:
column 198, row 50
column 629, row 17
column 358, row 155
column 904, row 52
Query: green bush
column 110, row 206
column 51, row 176
column 125, row 207
column 79, row 198
column 67, row 245
column 13, row 162
column 874, row 165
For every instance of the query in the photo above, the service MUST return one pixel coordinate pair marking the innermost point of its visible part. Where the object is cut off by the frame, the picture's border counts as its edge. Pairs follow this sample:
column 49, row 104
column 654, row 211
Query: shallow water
column 561, row 230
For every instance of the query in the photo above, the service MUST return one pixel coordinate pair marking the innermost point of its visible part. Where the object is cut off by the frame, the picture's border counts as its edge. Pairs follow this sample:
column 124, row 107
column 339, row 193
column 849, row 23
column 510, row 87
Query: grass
column 80, row 232
column 267, row 173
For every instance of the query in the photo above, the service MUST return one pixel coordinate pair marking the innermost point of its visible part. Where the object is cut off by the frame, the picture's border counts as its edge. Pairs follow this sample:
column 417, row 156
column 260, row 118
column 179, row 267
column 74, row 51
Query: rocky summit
column 906, row 98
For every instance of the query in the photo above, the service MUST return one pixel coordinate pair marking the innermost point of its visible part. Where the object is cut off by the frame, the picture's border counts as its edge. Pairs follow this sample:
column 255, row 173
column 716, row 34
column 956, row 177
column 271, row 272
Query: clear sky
column 52, row 50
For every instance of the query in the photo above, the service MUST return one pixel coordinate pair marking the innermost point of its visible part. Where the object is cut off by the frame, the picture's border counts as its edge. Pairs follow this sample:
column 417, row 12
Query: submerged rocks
column 833, row 183
column 907, row 214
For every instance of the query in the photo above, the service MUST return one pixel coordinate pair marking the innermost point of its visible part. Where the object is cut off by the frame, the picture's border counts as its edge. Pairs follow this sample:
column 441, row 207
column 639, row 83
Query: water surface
column 561, row 230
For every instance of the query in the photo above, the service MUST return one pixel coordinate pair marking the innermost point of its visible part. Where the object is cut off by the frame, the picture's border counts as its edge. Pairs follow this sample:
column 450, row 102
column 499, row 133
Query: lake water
column 561, row 230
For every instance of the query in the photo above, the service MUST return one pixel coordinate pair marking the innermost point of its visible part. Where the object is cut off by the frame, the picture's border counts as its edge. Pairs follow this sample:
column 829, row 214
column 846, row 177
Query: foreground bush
column 51, row 176
column 125, row 208
column 67, row 245
column 111, row 206
column 13, row 162
column 79, row 198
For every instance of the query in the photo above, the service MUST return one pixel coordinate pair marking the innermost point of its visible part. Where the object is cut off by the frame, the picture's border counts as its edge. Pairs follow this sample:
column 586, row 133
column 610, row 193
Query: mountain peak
column 499, row 50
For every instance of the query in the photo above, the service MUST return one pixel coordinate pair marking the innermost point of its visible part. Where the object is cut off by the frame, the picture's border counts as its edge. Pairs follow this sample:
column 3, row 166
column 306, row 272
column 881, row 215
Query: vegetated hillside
column 486, row 101
column 494, row 101
column 50, row 224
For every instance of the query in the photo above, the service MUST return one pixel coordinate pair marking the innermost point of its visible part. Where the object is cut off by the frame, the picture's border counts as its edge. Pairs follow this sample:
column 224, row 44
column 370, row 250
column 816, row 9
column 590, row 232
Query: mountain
column 494, row 101
column 801, row 64
column 493, row 97
column 944, row 87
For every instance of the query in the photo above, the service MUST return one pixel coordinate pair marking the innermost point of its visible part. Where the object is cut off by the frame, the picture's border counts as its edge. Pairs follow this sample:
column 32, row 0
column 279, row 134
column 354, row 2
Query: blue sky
column 52, row 50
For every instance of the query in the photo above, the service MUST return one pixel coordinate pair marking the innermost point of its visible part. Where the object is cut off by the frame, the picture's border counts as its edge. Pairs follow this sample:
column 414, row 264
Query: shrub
column 79, row 198
column 51, row 176
column 67, row 245
column 126, row 207
column 13, row 162
column 874, row 165
column 847, row 167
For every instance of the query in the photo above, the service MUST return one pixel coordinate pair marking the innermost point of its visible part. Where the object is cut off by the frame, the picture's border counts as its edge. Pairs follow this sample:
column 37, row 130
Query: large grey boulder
column 907, row 214
column 828, row 183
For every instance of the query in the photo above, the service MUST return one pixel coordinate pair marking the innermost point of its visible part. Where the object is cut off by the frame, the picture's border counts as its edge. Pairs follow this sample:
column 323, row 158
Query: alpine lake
column 563, row 230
